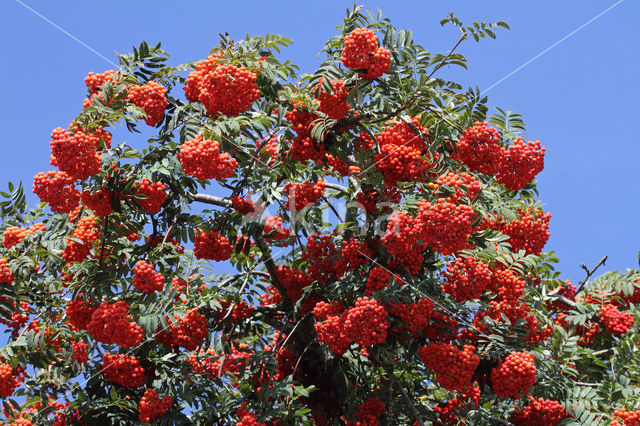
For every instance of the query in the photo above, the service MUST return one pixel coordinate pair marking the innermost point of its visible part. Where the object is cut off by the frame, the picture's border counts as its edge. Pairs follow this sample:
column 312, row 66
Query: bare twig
column 336, row 187
column 589, row 273
column 442, row 62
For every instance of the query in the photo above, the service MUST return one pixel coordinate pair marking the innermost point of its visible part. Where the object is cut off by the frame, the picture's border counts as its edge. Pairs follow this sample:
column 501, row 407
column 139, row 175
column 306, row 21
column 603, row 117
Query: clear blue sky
column 579, row 98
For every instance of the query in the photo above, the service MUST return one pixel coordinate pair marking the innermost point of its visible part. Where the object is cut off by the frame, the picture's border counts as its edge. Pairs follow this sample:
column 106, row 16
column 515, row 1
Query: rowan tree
column 361, row 245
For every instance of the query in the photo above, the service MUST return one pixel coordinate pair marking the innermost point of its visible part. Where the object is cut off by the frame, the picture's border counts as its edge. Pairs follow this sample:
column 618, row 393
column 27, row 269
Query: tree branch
column 589, row 273
column 405, row 396
column 211, row 199
column 272, row 269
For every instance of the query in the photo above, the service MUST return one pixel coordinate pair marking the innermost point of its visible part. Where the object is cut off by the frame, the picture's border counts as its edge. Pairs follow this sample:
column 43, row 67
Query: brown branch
column 589, row 273
column 405, row 396
column 336, row 187
column 272, row 269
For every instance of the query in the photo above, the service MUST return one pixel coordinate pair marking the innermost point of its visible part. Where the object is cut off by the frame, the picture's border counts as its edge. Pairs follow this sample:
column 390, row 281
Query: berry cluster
column 330, row 332
column 456, row 409
column 75, row 154
column 203, row 159
column 79, row 313
column 155, row 195
column 303, row 147
column 453, row 367
column 399, row 133
column 399, row 237
column 368, row 413
column 80, row 354
column 222, row 88
column 507, row 285
column 19, row 315
column 14, row 235
column 152, row 98
column 294, row 282
column 454, row 186
column 95, row 81
column 522, row 162
column 122, row 369
column 334, row 104
column 378, row 279
column 247, row 418
column 57, row 189
column 244, row 206
column 539, row 412
column 324, row 310
column 99, row 202
column 304, row 194
column 480, row 150
column 188, row 332
column 513, row 311
column 8, row 381
column 444, row 226
column 321, row 254
column 530, row 233
column 400, row 163
column 361, row 52
column 416, row 316
column 146, row 279
column 111, row 324
column 629, row 418
column 466, row 279
column 515, row 374
column 615, row 322
column 212, row 246
column 88, row 232
column 365, row 323
column 151, row 407
column 273, row 229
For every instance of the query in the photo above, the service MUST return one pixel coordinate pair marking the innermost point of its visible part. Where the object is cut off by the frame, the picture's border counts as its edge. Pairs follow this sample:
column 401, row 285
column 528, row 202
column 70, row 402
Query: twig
column 336, row 187
column 415, row 130
column 441, row 64
column 589, row 273
column 272, row 269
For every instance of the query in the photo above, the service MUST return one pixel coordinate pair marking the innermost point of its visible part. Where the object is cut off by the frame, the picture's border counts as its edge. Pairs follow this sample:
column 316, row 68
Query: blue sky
column 578, row 98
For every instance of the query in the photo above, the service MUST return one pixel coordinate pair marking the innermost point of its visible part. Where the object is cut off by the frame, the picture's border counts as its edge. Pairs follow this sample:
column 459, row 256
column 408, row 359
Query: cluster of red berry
column 88, row 232
column 152, row 98
column 456, row 409
column 274, row 230
column 123, row 369
column 400, row 163
column 368, row 413
column 454, row 367
column 455, row 186
column 99, row 202
column 212, row 246
column 244, row 206
column 377, row 280
column 203, row 159
column 304, row 194
column 151, row 407
column 614, row 321
column 188, row 332
column 155, row 195
column 222, row 88
column 479, row 148
column 303, row 147
column 515, row 374
column 629, row 418
column 444, row 226
column 466, row 279
column 334, row 104
column 57, row 189
column 80, row 354
column 8, row 381
column 95, row 81
column 75, row 154
column 146, row 279
column 79, row 313
column 366, row 322
column 530, row 232
column 539, row 412
column 415, row 316
column 361, row 52
column 247, row 418
column 522, row 162
column 14, row 235
column 294, row 281
column 111, row 324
